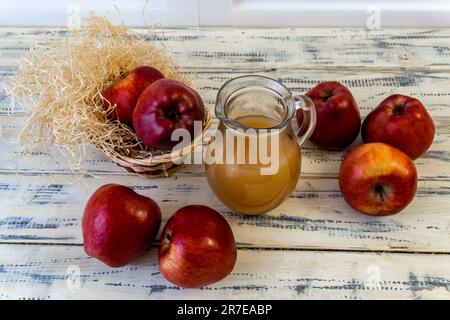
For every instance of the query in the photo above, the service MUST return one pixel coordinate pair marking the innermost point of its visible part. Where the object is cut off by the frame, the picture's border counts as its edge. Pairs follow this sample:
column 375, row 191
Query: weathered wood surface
column 283, row 47
column 315, row 163
column 369, row 88
column 63, row 272
column 41, row 209
column 38, row 210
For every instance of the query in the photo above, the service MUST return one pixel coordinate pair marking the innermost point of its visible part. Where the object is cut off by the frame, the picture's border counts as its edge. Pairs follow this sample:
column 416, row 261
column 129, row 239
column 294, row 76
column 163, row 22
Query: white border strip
column 256, row 13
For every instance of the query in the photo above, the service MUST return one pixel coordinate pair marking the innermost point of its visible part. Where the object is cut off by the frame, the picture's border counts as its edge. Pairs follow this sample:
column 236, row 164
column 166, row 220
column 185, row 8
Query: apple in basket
column 121, row 97
column 119, row 224
column 163, row 107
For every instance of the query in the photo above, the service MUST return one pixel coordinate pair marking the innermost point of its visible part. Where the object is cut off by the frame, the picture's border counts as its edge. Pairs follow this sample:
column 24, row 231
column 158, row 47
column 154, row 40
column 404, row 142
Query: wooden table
column 312, row 246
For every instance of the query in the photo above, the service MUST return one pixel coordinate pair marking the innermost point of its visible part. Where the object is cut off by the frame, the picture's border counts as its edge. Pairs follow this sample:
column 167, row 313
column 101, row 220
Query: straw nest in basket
column 61, row 81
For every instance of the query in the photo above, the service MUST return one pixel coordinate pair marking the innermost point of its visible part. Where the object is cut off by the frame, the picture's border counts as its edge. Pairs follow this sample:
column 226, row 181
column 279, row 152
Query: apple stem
column 379, row 189
column 398, row 109
column 172, row 114
column 328, row 94
column 166, row 240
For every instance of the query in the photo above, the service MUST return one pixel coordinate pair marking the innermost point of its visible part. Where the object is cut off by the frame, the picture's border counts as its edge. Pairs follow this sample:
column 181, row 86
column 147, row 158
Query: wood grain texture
column 48, row 209
column 64, row 272
column 369, row 88
column 316, row 162
column 287, row 47
column 38, row 209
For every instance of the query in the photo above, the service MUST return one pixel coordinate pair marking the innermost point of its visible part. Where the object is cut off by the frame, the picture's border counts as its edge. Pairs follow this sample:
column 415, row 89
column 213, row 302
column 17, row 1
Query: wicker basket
column 63, row 110
column 162, row 165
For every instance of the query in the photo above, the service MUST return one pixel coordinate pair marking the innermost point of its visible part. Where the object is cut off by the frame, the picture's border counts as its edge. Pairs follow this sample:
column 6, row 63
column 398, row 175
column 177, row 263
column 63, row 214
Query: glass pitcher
column 253, row 161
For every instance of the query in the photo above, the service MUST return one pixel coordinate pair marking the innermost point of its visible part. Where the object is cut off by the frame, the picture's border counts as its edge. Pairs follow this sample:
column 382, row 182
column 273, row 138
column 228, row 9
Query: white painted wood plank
column 293, row 47
column 368, row 88
column 315, row 162
column 50, row 272
column 48, row 209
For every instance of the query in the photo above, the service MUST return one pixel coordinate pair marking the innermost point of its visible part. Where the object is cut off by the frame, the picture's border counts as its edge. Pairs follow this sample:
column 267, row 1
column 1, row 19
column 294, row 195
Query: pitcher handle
column 306, row 112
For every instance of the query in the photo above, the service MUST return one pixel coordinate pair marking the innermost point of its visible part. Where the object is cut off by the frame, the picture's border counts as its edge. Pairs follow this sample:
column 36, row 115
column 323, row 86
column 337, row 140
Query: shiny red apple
column 338, row 118
column 197, row 247
column 164, row 106
column 119, row 224
column 121, row 97
column 378, row 179
column 400, row 121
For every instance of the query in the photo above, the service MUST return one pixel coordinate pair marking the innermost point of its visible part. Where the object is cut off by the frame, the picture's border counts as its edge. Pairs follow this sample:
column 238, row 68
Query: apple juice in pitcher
column 253, row 162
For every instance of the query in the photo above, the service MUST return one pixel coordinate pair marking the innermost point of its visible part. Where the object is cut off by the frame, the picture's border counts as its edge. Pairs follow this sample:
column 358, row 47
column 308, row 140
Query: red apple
column 119, row 224
column 164, row 106
column 378, row 179
column 123, row 95
column 338, row 119
column 197, row 247
column 400, row 121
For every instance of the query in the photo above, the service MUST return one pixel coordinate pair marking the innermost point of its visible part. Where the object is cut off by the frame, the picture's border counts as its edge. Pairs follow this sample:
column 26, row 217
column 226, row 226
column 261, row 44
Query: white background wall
column 231, row 12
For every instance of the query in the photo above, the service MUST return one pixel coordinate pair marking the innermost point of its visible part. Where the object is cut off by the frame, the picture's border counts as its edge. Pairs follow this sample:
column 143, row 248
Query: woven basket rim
column 166, row 158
